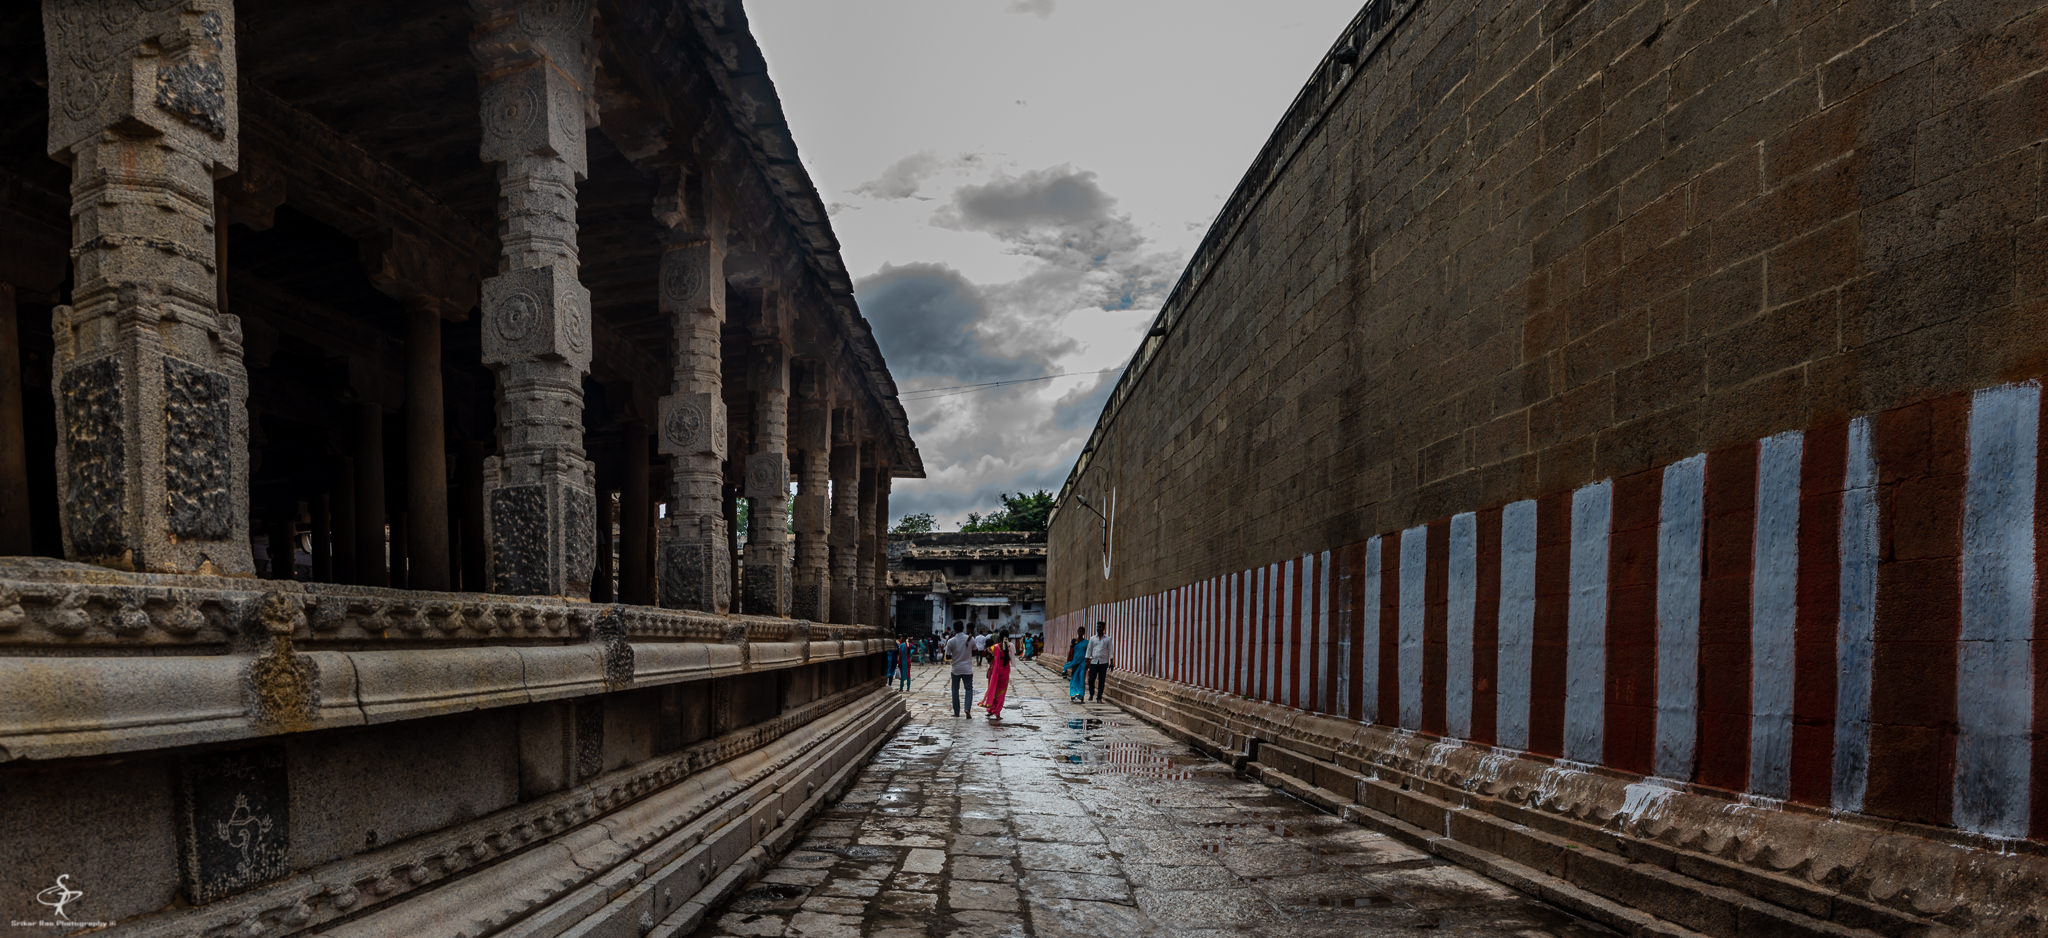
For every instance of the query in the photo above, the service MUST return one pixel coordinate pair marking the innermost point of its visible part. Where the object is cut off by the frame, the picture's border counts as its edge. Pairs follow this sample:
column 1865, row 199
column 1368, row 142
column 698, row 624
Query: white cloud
column 1090, row 285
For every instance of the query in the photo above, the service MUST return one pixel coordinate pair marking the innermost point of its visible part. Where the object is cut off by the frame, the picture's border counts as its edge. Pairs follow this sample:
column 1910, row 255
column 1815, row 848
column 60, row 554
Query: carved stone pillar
column 535, row 59
column 323, row 539
column 14, row 526
column 636, row 579
column 880, row 529
column 151, row 393
column 344, row 482
column 282, row 535
column 372, row 548
column 696, row 559
column 426, row 453
column 811, row 447
column 470, row 481
column 864, row 591
column 845, row 536
column 767, row 576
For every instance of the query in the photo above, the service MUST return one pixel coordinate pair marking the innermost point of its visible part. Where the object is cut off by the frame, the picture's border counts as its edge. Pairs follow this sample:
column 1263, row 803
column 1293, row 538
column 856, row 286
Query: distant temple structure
column 979, row 581
column 379, row 384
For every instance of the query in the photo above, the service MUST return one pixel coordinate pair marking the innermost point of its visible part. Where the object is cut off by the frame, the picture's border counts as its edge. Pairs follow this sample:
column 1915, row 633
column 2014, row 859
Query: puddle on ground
column 768, row 897
column 1353, row 902
column 865, row 852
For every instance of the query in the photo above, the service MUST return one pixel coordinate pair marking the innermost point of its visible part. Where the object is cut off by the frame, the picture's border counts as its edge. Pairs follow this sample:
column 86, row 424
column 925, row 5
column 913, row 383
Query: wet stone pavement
column 1065, row 819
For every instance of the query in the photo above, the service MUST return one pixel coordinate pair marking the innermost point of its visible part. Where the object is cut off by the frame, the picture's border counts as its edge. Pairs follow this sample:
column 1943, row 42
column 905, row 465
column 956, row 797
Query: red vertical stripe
column 1390, row 631
column 1922, row 455
column 1629, row 741
column 1435, row 614
column 1821, row 467
column 1553, row 598
column 1724, row 618
column 1486, row 631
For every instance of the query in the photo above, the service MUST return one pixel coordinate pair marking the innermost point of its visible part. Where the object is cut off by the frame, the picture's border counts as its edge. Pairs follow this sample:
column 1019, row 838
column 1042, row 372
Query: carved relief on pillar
column 152, row 462
column 693, row 425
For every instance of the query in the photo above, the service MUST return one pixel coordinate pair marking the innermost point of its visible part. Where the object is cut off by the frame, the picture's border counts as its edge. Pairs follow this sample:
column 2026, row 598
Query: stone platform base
column 639, row 851
column 1641, row 855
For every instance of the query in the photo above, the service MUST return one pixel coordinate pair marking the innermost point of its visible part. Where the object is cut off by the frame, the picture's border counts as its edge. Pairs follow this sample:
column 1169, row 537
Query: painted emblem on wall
column 1108, row 533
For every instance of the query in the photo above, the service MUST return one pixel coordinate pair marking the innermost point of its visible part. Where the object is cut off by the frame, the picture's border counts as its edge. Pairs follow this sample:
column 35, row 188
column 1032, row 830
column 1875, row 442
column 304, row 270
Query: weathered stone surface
column 198, row 447
column 519, row 540
column 95, row 497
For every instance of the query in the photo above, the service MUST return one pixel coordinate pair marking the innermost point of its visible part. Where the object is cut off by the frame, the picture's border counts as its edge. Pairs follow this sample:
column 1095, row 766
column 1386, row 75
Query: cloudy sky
column 1016, row 184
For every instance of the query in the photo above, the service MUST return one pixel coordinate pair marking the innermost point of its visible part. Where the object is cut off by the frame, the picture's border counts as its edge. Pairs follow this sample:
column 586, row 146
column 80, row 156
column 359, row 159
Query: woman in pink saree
column 998, row 675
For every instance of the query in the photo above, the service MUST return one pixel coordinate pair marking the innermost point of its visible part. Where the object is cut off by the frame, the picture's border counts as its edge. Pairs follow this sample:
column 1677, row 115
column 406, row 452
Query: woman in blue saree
column 1077, row 664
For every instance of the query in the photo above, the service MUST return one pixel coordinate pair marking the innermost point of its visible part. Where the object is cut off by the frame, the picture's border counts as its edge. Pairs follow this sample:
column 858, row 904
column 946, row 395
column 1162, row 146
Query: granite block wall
column 1644, row 384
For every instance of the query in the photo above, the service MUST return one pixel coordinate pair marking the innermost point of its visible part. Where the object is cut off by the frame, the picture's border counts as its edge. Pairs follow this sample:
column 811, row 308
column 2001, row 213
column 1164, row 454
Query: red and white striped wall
column 1842, row 617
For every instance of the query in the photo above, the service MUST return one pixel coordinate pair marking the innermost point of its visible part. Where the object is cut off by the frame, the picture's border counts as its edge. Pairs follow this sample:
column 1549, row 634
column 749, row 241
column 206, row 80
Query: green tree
column 1020, row 512
column 920, row 523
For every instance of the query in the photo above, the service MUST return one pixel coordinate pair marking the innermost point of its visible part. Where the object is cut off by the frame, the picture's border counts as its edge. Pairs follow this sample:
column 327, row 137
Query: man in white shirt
column 960, row 651
column 1101, row 652
column 980, row 645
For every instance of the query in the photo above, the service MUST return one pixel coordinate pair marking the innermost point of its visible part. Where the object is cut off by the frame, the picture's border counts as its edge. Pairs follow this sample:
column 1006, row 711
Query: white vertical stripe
column 1269, row 612
column 1462, row 608
column 1323, row 571
column 1994, row 668
column 1681, row 529
column 1305, row 635
column 1408, row 667
column 1341, row 704
column 1284, row 693
column 1207, row 627
column 1517, row 620
column 1585, row 669
column 1858, row 617
column 1774, row 614
column 1369, row 636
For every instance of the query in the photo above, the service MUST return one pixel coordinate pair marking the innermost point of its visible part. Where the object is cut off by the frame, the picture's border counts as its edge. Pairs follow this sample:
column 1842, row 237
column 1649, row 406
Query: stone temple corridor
column 1082, row 820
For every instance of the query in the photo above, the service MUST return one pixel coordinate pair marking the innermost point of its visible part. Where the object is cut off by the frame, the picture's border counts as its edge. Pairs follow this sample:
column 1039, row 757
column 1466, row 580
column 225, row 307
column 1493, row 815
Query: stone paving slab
column 1067, row 819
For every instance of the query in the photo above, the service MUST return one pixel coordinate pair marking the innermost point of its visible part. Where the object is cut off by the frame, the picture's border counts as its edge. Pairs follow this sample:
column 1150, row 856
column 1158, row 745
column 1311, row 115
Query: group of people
column 1088, row 664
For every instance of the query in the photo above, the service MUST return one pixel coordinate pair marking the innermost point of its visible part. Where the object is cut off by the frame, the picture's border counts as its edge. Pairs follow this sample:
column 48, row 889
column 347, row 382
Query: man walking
column 1101, row 650
column 960, row 651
